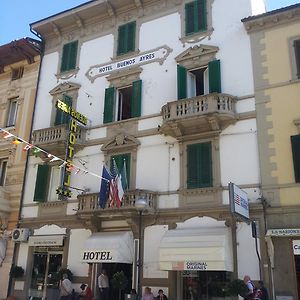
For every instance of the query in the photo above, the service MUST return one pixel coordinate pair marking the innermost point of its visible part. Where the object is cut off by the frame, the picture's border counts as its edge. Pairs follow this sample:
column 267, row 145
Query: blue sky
column 16, row 15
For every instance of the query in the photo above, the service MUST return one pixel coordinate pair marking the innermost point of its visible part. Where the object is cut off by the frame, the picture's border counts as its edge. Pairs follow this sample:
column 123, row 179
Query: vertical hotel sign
column 238, row 200
column 64, row 189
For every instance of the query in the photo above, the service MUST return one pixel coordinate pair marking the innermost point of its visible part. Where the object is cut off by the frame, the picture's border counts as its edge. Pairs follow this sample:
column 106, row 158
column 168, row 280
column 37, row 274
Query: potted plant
column 119, row 281
column 16, row 272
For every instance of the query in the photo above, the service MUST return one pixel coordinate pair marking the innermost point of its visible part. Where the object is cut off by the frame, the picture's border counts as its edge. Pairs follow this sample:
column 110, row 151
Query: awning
column 109, row 247
column 205, row 249
column 46, row 240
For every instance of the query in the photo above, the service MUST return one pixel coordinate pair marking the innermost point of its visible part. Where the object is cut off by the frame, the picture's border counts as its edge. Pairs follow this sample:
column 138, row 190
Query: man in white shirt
column 65, row 288
column 103, row 284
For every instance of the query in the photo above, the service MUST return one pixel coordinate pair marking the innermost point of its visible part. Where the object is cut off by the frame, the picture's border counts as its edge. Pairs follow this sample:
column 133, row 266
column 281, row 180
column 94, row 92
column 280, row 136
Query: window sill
column 196, row 37
column 198, row 191
column 67, row 74
column 125, row 55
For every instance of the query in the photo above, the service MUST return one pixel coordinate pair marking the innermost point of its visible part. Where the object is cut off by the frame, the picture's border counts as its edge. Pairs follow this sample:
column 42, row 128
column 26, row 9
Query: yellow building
column 275, row 43
column 19, row 69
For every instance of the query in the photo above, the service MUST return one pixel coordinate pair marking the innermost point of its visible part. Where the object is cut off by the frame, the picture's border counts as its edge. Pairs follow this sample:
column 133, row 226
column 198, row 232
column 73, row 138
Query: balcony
column 88, row 204
column 200, row 114
column 54, row 139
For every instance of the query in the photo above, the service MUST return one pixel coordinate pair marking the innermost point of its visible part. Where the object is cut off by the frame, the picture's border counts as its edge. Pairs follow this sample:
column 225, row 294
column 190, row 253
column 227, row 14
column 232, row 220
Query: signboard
column 70, row 111
column 96, row 256
column 194, row 266
column 158, row 54
column 238, row 200
column 296, row 247
column 46, row 240
column 284, row 232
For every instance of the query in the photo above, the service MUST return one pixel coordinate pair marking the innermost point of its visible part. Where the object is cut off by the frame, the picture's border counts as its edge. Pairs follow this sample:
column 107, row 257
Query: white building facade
column 167, row 88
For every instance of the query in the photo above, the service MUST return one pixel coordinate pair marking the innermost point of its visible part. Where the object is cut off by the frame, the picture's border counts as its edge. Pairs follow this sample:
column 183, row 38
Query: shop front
column 201, row 258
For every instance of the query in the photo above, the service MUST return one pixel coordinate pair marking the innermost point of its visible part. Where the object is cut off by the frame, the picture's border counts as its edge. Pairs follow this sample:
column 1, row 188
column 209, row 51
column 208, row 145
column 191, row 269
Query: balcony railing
column 90, row 202
column 198, row 114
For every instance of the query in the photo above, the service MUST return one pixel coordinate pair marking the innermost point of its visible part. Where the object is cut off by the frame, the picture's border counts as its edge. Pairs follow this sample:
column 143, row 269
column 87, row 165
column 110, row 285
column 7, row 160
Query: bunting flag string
column 36, row 150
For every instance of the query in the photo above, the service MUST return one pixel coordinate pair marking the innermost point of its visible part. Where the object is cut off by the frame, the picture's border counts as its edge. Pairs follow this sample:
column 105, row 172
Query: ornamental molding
column 64, row 87
column 67, row 75
column 120, row 142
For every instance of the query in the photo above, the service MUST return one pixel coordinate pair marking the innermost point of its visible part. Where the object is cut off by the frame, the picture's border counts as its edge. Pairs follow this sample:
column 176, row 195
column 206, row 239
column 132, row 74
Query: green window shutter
column 297, row 54
column 126, row 38
column 69, row 56
column 136, row 99
column 109, row 105
column 214, row 74
column 190, row 18
column 181, row 82
column 131, row 27
column 41, row 183
column 199, row 166
column 61, row 117
column 122, row 39
column 119, row 159
column 200, row 12
column 295, row 140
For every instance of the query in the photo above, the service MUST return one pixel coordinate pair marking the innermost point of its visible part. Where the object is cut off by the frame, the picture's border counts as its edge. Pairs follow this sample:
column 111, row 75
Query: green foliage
column 65, row 271
column 16, row 272
column 237, row 287
column 119, row 281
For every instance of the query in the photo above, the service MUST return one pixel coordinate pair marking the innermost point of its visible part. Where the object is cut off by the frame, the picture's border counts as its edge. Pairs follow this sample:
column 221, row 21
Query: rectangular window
column 69, row 56
column 295, row 140
column 12, row 113
column 17, row 73
column 199, row 165
column 3, row 169
column 123, row 103
column 297, row 56
column 195, row 17
column 61, row 117
column 120, row 159
column 126, row 38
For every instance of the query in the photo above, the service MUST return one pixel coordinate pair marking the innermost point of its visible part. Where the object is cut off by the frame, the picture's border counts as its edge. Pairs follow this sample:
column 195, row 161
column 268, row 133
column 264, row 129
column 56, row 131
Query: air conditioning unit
column 20, row 234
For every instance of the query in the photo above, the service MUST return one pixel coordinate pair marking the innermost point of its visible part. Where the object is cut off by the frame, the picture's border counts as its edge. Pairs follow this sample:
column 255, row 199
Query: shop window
column 69, row 56
column 17, row 73
column 122, row 103
column 47, row 181
column 199, row 81
column 199, row 165
column 297, row 56
column 12, row 112
column 123, row 165
column 3, row 169
column 126, row 38
column 195, row 17
column 295, row 140
column 61, row 117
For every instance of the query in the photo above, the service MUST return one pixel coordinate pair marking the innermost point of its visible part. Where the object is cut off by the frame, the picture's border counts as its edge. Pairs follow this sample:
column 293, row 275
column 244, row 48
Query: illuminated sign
column 71, row 112
column 158, row 54
column 238, row 200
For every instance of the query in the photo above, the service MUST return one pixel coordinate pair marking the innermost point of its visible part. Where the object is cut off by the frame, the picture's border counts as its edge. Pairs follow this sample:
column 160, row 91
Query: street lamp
column 141, row 204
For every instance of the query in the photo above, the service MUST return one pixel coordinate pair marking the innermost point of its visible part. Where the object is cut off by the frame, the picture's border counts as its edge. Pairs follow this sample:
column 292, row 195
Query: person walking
column 86, row 293
column 147, row 294
column 103, row 284
column 264, row 291
column 161, row 295
column 65, row 288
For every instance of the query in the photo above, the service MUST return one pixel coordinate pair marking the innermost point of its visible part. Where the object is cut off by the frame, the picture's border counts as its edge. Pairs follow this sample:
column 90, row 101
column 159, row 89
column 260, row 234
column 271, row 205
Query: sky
column 16, row 15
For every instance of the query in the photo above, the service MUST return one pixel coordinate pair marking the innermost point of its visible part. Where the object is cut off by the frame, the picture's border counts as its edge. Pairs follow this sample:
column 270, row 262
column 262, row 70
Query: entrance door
column 45, row 277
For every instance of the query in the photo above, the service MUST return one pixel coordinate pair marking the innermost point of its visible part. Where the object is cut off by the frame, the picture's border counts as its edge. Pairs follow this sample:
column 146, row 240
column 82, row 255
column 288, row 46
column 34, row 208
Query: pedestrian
column 86, row 293
column 65, row 288
column 103, row 284
column 147, row 294
column 264, row 291
column 250, row 287
column 161, row 295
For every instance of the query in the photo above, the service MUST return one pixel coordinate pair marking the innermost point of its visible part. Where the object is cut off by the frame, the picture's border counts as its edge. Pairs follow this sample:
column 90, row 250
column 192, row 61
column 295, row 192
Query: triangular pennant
column 7, row 135
column 27, row 147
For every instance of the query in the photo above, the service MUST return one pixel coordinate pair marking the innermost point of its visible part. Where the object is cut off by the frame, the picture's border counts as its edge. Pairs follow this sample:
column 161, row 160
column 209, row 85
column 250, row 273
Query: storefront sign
column 158, row 54
column 195, row 266
column 71, row 112
column 296, row 247
column 46, row 241
column 95, row 256
column 238, row 200
column 284, row 232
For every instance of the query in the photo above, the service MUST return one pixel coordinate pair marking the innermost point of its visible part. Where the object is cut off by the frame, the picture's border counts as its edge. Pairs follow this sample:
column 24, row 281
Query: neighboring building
column 167, row 87
column 19, row 68
column 275, row 43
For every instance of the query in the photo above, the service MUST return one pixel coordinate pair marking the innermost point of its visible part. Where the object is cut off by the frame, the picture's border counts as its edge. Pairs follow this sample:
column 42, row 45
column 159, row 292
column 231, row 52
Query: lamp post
column 141, row 204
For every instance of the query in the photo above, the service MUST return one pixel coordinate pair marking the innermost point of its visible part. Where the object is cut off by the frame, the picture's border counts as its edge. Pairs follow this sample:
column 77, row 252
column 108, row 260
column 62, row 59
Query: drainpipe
column 27, row 157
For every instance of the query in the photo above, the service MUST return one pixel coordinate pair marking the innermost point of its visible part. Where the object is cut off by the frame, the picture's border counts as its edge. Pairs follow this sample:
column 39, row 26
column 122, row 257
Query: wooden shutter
column 119, row 159
column 69, row 56
column 297, row 54
column 199, row 165
column 190, row 18
column 214, row 74
column 136, row 99
column 41, row 183
column 181, row 82
column 201, row 15
column 295, row 140
column 61, row 117
column 122, row 39
column 131, row 36
column 109, row 105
